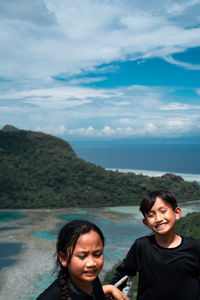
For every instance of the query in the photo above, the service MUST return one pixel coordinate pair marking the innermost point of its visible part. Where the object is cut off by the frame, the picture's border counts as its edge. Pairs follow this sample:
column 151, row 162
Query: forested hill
column 39, row 171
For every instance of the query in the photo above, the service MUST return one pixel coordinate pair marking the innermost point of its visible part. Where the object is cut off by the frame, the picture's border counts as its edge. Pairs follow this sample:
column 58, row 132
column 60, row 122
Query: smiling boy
column 168, row 264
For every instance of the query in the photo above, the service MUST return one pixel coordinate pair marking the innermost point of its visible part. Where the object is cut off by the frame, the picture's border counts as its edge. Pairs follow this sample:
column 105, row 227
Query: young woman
column 79, row 258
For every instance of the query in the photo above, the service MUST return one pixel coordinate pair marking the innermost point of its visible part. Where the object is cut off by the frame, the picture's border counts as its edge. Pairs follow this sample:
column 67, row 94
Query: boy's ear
column 178, row 212
column 145, row 222
column 62, row 258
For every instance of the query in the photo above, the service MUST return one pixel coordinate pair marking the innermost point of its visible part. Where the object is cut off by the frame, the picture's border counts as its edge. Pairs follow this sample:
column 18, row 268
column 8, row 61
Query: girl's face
column 86, row 261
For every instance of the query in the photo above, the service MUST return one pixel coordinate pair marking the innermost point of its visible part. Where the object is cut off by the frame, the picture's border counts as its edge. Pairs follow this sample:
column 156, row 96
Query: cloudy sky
column 101, row 68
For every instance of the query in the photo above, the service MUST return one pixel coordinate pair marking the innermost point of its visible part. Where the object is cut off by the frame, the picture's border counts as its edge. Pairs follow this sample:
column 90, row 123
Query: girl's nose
column 91, row 262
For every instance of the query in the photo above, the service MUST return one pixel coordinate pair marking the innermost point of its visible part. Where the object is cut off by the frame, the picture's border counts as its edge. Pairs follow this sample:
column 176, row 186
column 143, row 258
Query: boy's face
column 161, row 218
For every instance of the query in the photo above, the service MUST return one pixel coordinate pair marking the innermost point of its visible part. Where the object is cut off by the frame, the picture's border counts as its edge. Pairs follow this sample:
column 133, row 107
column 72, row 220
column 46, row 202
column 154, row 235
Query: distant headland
column 38, row 170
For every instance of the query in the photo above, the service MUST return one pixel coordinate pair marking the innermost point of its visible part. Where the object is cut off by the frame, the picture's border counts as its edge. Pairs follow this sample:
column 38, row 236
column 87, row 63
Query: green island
column 42, row 171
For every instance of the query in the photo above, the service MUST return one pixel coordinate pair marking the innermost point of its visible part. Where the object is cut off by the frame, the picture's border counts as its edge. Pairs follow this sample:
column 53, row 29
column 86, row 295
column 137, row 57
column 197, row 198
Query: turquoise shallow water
column 45, row 235
column 43, row 282
column 7, row 251
column 120, row 225
column 6, row 216
column 9, row 228
column 119, row 235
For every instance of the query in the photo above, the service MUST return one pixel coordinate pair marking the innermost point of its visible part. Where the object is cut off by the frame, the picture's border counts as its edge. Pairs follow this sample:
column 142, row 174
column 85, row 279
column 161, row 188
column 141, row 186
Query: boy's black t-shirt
column 164, row 273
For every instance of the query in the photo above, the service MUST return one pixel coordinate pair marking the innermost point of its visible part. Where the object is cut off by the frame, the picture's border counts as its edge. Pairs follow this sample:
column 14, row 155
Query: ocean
column 143, row 158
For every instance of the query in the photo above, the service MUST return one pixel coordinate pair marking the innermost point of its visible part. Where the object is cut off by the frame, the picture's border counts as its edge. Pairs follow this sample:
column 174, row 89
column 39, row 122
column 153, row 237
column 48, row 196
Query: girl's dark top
column 164, row 273
column 53, row 292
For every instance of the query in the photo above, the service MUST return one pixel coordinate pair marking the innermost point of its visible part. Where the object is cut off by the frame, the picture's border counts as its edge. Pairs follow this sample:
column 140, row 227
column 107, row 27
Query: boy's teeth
column 161, row 225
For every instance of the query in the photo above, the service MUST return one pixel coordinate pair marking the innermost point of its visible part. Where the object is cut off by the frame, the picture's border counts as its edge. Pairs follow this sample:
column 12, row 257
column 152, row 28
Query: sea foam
column 186, row 176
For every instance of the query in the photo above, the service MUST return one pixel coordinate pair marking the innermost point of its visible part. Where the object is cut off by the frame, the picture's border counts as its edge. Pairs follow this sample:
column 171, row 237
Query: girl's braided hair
column 66, row 242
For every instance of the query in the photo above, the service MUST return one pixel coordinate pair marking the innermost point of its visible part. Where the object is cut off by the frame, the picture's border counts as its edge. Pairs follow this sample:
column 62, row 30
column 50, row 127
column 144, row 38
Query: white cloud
column 127, row 121
column 56, row 103
column 180, row 7
column 86, row 80
column 151, row 128
column 29, row 11
column 49, row 48
column 81, row 111
column 175, row 106
column 179, row 125
column 108, row 131
column 53, row 94
column 168, row 128
column 85, row 34
column 179, row 106
column 120, row 103
column 86, row 132
column 59, row 130
column 182, row 64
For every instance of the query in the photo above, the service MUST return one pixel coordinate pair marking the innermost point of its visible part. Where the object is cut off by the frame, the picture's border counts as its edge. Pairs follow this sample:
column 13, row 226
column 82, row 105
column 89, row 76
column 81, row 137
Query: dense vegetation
column 187, row 226
column 38, row 170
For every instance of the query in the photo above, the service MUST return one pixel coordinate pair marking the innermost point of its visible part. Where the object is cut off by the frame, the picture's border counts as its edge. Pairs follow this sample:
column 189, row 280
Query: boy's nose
column 159, row 217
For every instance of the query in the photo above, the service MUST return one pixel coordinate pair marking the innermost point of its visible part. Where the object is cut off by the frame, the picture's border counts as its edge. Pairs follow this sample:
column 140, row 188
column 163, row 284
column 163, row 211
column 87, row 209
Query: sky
column 98, row 69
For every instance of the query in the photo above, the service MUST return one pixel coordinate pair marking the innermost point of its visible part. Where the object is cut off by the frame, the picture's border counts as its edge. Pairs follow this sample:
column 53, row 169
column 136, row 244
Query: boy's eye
column 150, row 215
column 163, row 211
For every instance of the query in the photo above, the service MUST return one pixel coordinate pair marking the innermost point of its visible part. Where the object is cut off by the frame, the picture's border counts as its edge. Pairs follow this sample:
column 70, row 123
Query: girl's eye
column 163, row 211
column 82, row 256
column 98, row 254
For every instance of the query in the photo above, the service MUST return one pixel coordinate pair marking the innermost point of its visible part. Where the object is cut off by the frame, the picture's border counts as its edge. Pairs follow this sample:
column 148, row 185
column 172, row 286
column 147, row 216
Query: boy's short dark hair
column 149, row 200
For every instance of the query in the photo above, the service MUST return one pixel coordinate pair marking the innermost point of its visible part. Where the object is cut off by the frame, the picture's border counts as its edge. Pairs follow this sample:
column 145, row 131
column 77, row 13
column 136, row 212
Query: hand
column 113, row 292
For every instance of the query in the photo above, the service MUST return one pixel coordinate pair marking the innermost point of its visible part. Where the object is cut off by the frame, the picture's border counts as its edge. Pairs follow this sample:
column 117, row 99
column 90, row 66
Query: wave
column 186, row 176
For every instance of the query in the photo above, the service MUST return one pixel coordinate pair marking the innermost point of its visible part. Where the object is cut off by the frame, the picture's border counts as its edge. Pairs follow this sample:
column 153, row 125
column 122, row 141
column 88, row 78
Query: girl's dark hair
column 149, row 200
column 66, row 242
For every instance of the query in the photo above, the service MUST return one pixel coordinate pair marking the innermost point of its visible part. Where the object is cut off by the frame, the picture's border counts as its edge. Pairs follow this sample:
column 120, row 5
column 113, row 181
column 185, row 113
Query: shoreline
column 151, row 173
column 58, row 210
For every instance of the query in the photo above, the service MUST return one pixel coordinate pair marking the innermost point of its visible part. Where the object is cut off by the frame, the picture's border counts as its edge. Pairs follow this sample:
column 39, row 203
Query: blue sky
column 101, row 68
